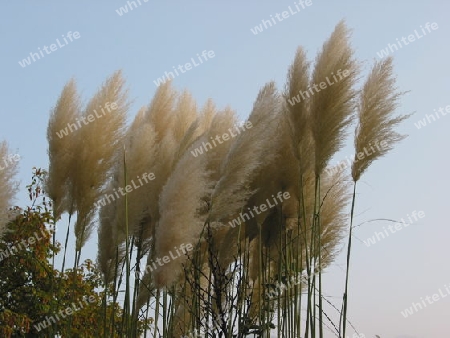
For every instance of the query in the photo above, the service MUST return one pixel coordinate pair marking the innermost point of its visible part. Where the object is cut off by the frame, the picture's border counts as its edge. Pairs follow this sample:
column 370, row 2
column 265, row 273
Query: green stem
column 343, row 319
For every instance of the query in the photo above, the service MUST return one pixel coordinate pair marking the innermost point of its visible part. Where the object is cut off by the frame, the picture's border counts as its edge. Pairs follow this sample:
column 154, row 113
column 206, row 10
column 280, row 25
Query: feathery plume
column 164, row 115
column 141, row 150
column 107, row 240
column 185, row 113
column 159, row 112
column 180, row 201
column 224, row 121
column 207, row 113
column 162, row 170
column 332, row 108
column 61, row 151
column 246, row 157
column 333, row 212
column 141, row 153
column 96, row 149
column 298, row 114
column 377, row 103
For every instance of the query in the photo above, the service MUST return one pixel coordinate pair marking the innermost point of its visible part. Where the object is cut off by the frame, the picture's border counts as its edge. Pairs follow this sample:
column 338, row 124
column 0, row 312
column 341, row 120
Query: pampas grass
column 185, row 113
column 221, row 123
column 61, row 150
column 334, row 212
column 227, row 276
column 298, row 115
column 377, row 103
column 232, row 191
column 375, row 132
column 332, row 109
column 141, row 148
column 97, row 144
column 107, row 241
column 159, row 111
column 180, row 202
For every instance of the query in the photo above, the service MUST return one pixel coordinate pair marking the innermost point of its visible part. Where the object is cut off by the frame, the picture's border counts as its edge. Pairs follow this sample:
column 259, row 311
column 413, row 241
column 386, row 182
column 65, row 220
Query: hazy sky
column 386, row 277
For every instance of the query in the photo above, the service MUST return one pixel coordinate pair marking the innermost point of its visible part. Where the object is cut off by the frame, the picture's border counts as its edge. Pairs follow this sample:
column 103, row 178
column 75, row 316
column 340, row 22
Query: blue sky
column 147, row 41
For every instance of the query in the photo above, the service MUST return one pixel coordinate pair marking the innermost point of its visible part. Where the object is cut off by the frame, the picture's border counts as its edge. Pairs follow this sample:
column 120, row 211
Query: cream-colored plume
column 375, row 134
column 332, row 108
column 62, row 140
column 97, row 145
column 247, row 156
column 180, row 202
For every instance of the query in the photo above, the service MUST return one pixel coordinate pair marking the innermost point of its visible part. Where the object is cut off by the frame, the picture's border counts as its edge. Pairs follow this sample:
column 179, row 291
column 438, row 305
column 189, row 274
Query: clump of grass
column 238, row 280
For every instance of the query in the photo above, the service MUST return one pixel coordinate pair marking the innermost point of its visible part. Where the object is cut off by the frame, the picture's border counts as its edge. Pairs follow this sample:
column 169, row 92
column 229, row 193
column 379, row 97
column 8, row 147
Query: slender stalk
column 115, row 292
column 279, row 312
column 104, row 307
column 164, row 313
column 127, row 251
column 158, row 297
column 343, row 318
column 259, row 274
column 66, row 243
column 134, row 316
column 319, row 245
